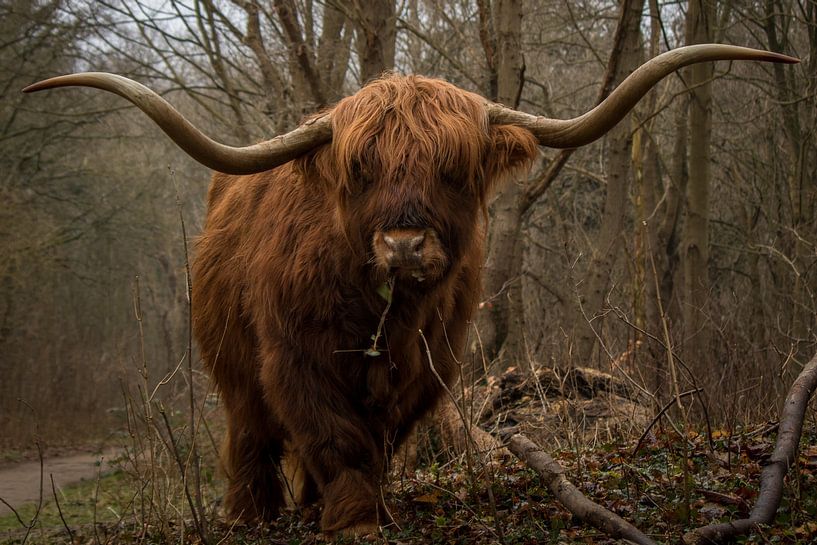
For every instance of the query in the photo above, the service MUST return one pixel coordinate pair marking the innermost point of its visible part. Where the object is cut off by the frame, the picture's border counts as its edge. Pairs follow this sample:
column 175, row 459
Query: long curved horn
column 572, row 133
column 265, row 155
column 228, row 159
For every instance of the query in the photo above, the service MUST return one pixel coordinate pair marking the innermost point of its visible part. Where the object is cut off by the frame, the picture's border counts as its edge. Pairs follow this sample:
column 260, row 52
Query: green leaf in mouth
column 385, row 291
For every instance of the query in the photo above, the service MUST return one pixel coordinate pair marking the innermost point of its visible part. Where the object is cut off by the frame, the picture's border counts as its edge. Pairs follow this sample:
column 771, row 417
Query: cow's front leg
column 340, row 449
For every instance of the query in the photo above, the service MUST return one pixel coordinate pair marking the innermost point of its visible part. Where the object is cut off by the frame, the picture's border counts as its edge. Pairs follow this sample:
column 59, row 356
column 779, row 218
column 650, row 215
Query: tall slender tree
column 695, row 245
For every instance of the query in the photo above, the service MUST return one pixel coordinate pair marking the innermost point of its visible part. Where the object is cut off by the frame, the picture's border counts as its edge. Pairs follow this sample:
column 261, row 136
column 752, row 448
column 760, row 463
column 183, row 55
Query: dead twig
column 173, row 449
column 658, row 416
column 96, row 502
column 477, row 441
column 570, row 496
column 13, row 510
column 36, row 517
column 475, row 437
column 198, row 506
column 59, row 509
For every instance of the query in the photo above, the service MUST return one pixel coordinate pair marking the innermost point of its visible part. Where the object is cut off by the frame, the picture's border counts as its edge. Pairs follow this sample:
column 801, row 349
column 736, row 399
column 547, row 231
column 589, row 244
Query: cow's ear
column 511, row 149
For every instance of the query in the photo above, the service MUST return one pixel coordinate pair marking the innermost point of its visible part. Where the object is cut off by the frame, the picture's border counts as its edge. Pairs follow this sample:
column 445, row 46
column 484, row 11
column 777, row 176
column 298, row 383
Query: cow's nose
column 404, row 244
column 403, row 247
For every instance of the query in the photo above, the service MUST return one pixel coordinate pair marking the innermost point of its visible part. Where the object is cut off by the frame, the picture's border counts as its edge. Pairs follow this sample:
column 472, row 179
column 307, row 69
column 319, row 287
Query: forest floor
column 672, row 484
column 665, row 490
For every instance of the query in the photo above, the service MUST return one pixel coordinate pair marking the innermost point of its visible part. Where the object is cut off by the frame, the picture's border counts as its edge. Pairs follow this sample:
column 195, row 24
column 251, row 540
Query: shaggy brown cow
column 376, row 235
column 289, row 290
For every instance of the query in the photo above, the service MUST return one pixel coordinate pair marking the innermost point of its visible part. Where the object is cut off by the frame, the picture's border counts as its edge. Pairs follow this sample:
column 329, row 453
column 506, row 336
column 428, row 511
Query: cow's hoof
column 361, row 530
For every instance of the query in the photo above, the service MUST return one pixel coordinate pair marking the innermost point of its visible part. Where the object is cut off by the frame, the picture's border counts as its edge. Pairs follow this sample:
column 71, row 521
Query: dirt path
column 20, row 484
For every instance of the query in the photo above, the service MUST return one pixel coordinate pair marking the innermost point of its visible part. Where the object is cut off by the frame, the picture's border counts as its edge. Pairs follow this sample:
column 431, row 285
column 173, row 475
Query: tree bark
column 501, row 320
column 510, row 64
column 332, row 52
column 302, row 58
column 700, row 18
column 617, row 167
column 661, row 203
column 800, row 154
column 377, row 32
column 270, row 76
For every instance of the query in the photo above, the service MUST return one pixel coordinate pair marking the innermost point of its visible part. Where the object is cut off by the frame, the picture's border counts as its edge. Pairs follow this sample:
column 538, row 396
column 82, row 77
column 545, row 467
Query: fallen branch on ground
column 775, row 470
column 570, row 496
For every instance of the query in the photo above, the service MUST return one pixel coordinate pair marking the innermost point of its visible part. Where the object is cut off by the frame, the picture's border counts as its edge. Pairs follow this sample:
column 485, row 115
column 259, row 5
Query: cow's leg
column 251, row 450
column 340, row 452
column 337, row 446
column 251, row 457
column 300, row 488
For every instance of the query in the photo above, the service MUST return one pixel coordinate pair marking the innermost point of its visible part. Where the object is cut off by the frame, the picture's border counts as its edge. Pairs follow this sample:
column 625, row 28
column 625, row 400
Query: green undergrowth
column 664, row 490
column 101, row 500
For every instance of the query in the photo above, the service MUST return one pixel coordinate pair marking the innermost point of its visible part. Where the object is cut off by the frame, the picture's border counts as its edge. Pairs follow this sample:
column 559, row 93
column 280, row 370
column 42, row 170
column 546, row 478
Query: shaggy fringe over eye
column 413, row 125
column 416, row 128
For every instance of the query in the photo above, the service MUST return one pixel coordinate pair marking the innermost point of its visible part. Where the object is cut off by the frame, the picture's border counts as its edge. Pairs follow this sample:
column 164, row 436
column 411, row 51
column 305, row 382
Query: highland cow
column 295, row 269
column 336, row 277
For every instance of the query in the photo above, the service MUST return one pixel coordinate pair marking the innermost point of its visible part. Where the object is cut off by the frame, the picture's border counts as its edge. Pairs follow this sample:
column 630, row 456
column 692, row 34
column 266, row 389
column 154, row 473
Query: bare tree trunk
column 333, row 52
column 316, row 77
column 502, row 294
column 700, row 18
column 617, row 167
column 212, row 42
column 503, row 311
column 377, row 32
column 487, row 37
column 502, row 317
column 800, row 155
column 510, row 66
column 661, row 256
column 301, row 57
column 277, row 92
column 661, row 209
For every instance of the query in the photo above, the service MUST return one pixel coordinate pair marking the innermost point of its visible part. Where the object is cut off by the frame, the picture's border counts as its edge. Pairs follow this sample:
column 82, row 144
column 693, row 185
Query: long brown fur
column 286, row 292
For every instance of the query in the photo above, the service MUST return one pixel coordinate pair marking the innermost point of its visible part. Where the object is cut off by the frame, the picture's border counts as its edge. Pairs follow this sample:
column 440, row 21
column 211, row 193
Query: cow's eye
column 455, row 183
column 358, row 180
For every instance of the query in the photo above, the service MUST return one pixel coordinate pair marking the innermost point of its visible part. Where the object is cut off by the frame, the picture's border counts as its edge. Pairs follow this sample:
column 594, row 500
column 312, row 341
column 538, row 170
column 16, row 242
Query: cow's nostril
column 416, row 243
column 404, row 243
column 403, row 247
